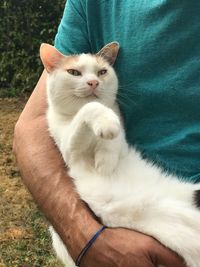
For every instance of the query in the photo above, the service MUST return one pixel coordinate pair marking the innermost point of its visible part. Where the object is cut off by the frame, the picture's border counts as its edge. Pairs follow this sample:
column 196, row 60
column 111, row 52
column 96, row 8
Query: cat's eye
column 102, row 72
column 74, row 72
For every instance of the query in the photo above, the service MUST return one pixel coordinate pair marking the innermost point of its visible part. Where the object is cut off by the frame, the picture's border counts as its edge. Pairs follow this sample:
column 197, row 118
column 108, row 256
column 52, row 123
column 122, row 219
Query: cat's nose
column 93, row 83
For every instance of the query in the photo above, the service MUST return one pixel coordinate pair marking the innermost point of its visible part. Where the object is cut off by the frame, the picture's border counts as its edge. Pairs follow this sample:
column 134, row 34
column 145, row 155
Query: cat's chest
column 58, row 128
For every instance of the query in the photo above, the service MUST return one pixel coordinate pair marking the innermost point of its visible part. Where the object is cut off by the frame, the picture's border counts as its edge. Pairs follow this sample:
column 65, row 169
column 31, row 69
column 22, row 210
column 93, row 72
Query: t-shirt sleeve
column 72, row 35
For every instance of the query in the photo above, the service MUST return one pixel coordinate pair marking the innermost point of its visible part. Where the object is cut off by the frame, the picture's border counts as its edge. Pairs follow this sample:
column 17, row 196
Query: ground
column 24, row 237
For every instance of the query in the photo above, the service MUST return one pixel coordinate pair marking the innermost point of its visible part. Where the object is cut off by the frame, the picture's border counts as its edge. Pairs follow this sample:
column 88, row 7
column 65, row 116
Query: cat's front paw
column 107, row 126
column 105, row 162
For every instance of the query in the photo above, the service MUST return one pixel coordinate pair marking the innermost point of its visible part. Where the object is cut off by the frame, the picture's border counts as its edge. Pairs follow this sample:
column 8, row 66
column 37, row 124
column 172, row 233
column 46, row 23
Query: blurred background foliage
column 24, row 25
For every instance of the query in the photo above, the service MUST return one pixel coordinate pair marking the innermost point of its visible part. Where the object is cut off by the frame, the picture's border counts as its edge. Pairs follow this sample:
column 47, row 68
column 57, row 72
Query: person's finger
column 168, row 258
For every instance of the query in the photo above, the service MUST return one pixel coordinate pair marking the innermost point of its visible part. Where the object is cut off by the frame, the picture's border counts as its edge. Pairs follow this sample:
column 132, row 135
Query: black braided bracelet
column 88, row 245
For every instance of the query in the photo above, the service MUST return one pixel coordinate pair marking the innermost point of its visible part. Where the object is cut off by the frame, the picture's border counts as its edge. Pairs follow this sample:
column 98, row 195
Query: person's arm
column 44, row 173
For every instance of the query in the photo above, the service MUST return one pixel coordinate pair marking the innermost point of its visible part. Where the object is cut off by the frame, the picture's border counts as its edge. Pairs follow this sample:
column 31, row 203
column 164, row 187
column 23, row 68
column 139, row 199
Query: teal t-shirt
column 158, row 69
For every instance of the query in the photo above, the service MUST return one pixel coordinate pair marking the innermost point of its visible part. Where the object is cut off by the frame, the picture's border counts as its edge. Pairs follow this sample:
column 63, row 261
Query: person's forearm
column 44, row 173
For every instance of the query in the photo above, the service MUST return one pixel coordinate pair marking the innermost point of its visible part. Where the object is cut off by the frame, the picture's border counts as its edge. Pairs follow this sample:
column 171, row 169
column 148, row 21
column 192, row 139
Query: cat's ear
column 50, row 57
column 109, row 52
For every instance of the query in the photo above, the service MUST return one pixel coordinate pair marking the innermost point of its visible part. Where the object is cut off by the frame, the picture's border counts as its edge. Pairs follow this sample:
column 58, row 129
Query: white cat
column 119, row 186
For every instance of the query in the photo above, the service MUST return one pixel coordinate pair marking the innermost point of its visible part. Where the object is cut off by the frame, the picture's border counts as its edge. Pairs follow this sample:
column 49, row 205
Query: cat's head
column 78, row 79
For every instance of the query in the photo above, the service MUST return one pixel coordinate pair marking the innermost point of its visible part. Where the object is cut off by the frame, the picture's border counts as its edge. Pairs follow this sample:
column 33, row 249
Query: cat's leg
column 180, row 231
column 106, row 156
column 94, row 126
column 109, row 138
column 175, row 224
column 60, row 249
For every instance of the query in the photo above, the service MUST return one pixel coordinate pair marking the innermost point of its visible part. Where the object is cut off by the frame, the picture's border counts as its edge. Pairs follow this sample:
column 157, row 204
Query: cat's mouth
column 94, row 94
column 87, row 94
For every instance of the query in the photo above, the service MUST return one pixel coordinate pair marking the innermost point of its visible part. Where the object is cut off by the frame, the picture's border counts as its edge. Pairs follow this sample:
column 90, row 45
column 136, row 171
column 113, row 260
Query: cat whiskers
column 71, row 99
column 125, row 100
column 126, row 97
column 79, row 89
column 122, row 98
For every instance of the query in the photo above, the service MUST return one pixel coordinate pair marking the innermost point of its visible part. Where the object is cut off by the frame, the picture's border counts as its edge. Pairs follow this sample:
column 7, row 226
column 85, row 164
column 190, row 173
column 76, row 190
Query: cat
column 121, row 188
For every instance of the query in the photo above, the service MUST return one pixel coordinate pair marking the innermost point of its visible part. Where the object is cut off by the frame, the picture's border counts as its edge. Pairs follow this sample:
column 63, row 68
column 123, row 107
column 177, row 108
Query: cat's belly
column 169, row 220
column 134, row 180
column 116, row 197
column 145, row 200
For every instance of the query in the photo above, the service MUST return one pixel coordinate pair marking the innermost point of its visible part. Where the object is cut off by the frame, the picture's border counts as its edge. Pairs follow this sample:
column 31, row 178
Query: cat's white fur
column 121, row 188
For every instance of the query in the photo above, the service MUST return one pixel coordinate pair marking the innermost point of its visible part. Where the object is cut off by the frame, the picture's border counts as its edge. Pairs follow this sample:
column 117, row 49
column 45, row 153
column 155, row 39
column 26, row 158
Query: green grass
column 33, row 250
column 24, row 236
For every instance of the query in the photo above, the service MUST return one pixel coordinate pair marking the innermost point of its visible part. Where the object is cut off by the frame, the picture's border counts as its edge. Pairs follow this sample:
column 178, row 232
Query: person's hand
column 126, row 248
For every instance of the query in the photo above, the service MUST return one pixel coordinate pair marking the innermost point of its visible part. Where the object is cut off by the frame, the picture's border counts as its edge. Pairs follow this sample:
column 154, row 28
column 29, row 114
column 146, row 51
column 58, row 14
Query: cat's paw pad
column 107, row 128
column 108, row 131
